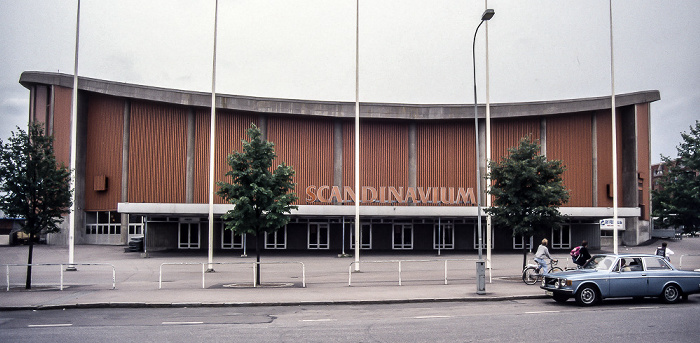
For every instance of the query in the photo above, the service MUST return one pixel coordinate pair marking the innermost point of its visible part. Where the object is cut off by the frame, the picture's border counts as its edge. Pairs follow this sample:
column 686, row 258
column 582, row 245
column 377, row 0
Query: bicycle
column 531, row 273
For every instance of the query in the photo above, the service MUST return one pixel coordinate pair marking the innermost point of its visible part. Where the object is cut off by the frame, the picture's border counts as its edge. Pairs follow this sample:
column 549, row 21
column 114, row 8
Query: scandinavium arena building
column 143, row 165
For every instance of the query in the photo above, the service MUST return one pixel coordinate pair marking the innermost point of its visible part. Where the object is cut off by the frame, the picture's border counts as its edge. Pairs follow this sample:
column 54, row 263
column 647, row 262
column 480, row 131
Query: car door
column 628, row 278
column 658, row 274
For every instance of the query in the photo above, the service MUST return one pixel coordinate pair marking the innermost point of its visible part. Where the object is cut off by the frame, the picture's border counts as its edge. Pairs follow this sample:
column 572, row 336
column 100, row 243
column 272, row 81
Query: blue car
column 629, row 275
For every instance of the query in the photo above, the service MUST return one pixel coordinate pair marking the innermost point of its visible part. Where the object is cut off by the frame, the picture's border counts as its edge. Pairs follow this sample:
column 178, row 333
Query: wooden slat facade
column 383, row 156
column 569, row 139
column 61, row 124
column 643, row 157
column 230, row 131
column 506, row 134
column 157, row 156
column 445, row 156
column 105, row 125
column 307, row 146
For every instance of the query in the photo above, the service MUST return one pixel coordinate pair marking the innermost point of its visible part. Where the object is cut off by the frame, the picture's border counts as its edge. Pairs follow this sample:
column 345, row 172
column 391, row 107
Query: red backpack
column 575, row 252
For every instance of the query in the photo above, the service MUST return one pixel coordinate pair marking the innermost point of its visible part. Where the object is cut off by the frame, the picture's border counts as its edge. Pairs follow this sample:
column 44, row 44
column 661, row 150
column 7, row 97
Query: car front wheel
column 587, row 296
column 671, row 294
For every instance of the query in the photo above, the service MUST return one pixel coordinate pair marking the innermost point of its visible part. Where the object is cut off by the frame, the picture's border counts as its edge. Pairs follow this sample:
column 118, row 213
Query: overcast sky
column 411, row 51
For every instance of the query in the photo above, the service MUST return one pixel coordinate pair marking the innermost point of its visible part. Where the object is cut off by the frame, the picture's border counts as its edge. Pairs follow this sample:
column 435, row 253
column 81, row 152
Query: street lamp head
column 488, row 14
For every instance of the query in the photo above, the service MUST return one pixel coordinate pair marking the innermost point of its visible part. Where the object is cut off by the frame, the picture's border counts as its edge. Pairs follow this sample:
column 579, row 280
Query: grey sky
column 410, row 51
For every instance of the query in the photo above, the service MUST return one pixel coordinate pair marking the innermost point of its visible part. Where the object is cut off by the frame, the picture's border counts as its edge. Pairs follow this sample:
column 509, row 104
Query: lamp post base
column 480, row 277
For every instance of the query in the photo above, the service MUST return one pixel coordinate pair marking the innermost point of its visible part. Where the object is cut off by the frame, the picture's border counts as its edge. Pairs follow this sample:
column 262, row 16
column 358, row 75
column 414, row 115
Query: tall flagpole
column 488, row 147
column 357, row 136
column 212, row 144
column 73, row 147
column 614, row 133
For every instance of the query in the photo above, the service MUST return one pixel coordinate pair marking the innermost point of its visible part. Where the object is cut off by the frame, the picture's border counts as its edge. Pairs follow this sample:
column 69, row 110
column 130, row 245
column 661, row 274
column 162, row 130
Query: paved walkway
column 139, row 283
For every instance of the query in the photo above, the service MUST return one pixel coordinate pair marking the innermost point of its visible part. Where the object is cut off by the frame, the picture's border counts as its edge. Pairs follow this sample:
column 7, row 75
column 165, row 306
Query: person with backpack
column 580, row 254
column 664, row 251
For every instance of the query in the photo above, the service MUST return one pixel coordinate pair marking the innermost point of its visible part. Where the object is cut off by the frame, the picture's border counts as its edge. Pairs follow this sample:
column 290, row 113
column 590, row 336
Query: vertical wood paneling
column 643, row 157
column 105, row 126
column 231, row 129
column 445, row 155
column 507, row 133
column 604, row 142
column 569, row 140
column 157, row 153
column 61, row 124
column 383, row 155
column 307, row 146
column 349, row 154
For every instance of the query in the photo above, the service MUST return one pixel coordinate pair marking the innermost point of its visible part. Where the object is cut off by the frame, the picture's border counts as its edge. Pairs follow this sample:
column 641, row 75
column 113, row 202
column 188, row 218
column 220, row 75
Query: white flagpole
column 614, row 133
column 73, row 148
column 212, row 144
column 357, row 136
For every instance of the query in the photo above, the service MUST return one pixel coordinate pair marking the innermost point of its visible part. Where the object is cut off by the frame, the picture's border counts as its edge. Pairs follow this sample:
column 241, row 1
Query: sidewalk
column 326, row 276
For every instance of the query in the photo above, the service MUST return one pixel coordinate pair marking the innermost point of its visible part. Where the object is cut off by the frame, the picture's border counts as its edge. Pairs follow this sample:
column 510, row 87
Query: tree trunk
column 524, row 256
column 257, row 259
column 28, row 283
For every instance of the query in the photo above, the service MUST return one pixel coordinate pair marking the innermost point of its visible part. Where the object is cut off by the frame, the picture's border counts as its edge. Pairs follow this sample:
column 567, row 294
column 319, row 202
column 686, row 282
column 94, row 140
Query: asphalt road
column 534, row 320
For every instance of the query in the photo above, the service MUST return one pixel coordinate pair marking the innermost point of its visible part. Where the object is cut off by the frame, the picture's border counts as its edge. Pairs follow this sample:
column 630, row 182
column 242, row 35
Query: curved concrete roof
column 336, row 109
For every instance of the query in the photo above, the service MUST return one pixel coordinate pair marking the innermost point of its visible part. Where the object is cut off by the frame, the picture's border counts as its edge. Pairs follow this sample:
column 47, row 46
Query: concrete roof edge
column 338, row 109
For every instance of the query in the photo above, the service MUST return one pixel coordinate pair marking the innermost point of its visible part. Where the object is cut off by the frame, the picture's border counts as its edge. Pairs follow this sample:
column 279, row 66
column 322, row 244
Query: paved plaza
column 175, row 278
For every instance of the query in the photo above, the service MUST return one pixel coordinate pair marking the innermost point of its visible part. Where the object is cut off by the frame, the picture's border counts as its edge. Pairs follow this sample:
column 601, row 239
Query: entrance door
column 189, row 236
column 402, row 237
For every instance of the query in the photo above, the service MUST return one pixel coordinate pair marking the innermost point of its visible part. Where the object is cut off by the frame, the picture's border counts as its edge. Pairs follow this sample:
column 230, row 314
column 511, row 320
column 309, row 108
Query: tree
column 33, row 185
column 527, row 190
column 261, row 197
column 676, row 201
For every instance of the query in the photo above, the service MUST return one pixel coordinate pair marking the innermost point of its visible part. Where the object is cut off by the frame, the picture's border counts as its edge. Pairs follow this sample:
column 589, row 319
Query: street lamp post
column 480, row 268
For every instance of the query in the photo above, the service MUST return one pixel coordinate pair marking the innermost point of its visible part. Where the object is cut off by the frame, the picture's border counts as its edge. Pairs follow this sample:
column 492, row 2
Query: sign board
column 609, row 224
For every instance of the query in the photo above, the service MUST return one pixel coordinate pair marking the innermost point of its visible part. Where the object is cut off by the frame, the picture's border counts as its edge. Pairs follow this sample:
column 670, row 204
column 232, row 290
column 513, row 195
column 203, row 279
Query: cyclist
column 540, row 255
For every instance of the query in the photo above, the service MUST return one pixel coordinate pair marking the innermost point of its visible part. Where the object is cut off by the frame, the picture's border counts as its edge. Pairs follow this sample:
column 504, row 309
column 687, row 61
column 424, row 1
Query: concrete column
column 543, row 137
column 52, row 99
column 412, row 178
column 338, row 153
column 630, row 178
column 263, row 127
column 80, row 167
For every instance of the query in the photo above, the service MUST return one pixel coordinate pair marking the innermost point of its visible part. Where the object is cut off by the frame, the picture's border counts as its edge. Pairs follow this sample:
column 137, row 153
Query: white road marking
column 318, row 320
column 48, row 325
column 181, row 323
column 429, row 317
column 538, row 312
column 643, row 307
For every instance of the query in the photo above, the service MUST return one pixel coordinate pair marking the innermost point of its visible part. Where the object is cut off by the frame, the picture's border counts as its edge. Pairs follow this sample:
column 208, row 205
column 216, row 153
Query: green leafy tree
column 32, row 185
column 677, row 200
column 528, row 191
column 261, row 196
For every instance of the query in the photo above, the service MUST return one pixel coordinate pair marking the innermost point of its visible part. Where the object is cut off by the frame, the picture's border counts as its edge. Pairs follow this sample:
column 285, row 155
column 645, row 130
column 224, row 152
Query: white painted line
column 48, row 325
column 318, row 320
column 643, row 307
column 181, row 323
column 429, row 317
column 538, row 312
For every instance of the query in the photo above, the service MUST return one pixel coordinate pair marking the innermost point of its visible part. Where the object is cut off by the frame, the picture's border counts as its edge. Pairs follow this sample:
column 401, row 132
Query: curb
column 118, row 305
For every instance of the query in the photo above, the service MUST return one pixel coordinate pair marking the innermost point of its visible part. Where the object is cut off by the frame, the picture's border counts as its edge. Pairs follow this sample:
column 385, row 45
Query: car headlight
column 561, row 283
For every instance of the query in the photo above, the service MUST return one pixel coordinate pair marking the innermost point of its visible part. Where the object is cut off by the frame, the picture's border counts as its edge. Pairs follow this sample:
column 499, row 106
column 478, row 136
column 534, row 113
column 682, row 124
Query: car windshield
column 600, row 262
